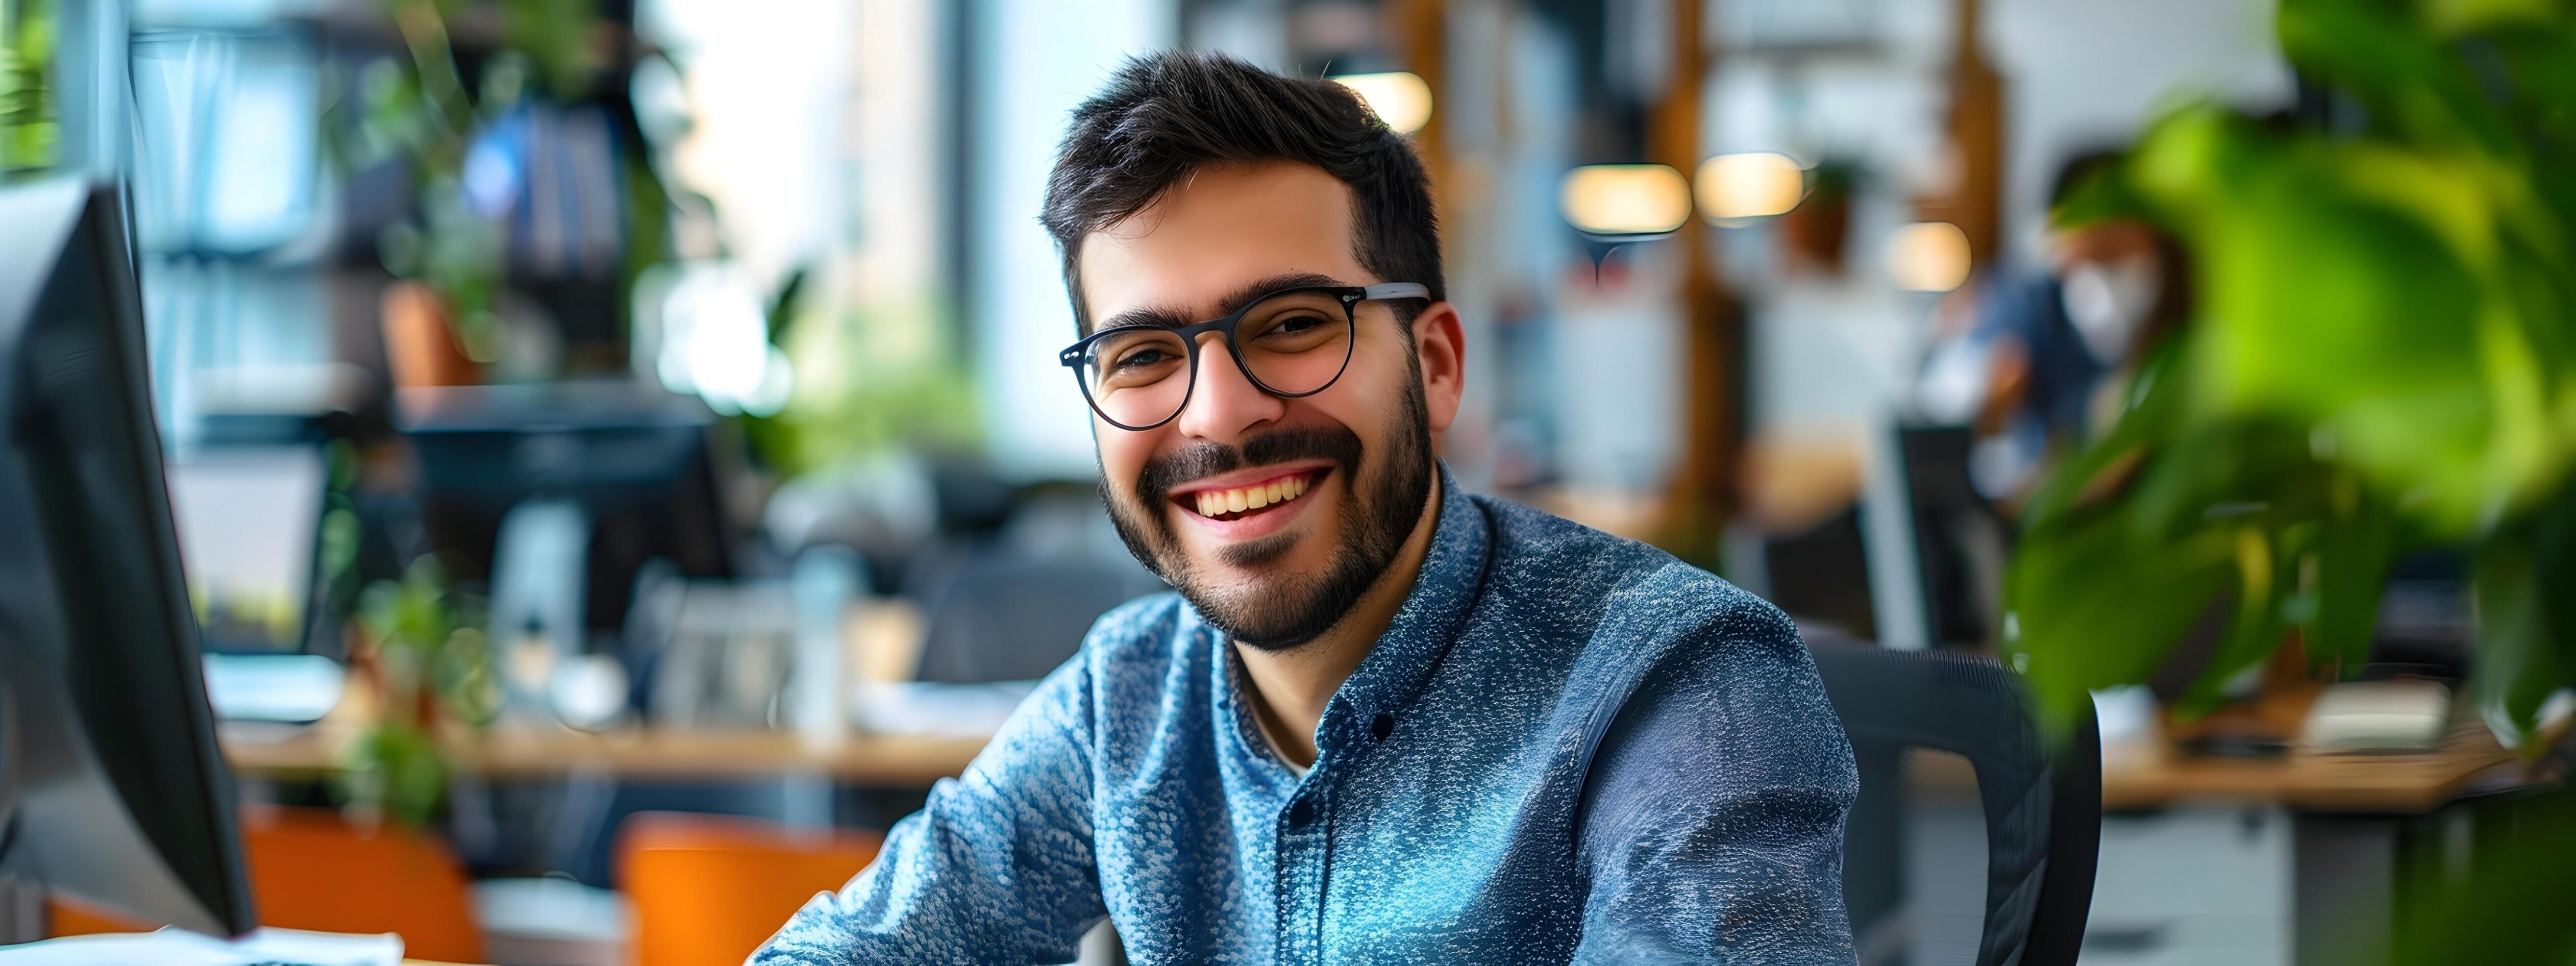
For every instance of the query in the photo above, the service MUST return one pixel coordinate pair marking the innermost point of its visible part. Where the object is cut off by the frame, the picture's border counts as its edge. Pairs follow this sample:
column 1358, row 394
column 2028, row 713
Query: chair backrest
column 312, row 869
column 2041, row 803
column 709, row 889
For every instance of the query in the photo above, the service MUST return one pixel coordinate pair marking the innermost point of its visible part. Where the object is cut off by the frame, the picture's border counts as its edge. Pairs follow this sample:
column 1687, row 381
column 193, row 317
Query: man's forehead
column 1219, row 229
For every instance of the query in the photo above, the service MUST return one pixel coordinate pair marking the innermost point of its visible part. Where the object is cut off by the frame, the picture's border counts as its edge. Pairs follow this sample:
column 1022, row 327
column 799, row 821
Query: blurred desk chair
column 2041, row 813
column 311, row 869
column 1017, row 619
column 708, row 890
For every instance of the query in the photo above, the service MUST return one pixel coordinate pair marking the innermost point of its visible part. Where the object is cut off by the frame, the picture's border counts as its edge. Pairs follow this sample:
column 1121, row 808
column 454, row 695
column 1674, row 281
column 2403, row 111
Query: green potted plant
column 423, row 650
column 2382, row 357
column 443, row 320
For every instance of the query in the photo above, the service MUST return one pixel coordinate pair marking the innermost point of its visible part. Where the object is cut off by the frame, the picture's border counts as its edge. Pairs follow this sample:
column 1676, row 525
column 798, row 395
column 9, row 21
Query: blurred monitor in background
column 249, row 521
column 250, row 537
column 579, row 485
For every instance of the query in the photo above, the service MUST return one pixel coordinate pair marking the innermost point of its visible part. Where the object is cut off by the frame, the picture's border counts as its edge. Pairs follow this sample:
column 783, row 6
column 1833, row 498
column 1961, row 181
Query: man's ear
column 1442, row 347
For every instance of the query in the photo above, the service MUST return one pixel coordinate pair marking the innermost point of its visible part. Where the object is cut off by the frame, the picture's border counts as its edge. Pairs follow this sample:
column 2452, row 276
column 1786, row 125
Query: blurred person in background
column 1381, row 720
column 2038, row 366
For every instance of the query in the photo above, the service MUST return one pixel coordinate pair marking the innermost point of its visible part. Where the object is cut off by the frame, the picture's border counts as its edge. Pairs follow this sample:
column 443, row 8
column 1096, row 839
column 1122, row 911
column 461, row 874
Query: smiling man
column 1383, row 720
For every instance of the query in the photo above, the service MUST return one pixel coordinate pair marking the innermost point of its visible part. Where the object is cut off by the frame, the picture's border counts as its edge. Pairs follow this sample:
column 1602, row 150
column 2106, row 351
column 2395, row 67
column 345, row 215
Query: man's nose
column 1224, row 404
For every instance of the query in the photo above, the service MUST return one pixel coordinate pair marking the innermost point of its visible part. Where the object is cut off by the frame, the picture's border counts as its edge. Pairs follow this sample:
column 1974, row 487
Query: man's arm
column 996, row 867
column 1712, row 822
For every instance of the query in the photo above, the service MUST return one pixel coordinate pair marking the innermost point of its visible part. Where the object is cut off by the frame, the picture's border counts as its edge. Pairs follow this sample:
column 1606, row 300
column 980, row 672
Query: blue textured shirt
column 1567, row 747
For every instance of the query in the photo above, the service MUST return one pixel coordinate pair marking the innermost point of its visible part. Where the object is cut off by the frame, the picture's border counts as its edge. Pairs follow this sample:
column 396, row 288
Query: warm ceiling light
column 1929, row 256
column 1758, row 185
column 1400, row 99
column 1624, row 199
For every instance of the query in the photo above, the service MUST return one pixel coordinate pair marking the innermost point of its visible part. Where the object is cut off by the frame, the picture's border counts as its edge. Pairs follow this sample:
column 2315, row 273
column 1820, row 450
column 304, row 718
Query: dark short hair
column 1165, row 116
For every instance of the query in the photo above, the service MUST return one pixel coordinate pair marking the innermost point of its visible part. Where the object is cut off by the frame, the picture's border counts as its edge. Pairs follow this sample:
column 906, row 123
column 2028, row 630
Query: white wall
column 765, row 100
column 1034, row 61
column 2083, row 73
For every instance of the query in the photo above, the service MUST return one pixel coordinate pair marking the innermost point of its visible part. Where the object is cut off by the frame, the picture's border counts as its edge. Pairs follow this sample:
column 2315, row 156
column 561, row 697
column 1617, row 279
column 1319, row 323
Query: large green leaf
column 2511, row 907
column 2324, row 310
column 2526, row 599
column 2348, row 563
column 2518, row 664
column 2381, row 53
column 2254, row 626
column 2092, row 607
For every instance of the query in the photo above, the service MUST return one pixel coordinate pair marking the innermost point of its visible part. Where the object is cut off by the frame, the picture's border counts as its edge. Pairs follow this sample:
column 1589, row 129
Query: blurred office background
column 660, row 394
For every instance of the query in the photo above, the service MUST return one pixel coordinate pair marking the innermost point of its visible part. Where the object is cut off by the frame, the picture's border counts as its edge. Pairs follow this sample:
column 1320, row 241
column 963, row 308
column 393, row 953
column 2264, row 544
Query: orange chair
column 707, row 889
column 66, row 916
column 312, row 869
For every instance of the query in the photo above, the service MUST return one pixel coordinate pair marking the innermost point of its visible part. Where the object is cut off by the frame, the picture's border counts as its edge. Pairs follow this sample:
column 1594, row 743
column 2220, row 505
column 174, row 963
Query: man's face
column 1351, row 464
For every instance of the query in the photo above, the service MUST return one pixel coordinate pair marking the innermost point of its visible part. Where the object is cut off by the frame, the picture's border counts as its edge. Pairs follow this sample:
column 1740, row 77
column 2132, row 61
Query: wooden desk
column 2146, row 773
column 2197, row 849
column 890, row 760
column 2140, row 773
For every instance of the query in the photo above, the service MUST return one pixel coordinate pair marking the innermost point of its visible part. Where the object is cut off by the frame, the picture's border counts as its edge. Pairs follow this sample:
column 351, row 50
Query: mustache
column 1163, row 473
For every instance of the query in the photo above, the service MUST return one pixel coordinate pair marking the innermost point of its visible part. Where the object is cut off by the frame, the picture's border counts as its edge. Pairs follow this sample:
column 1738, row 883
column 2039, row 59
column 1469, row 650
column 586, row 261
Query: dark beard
column 1293, row 608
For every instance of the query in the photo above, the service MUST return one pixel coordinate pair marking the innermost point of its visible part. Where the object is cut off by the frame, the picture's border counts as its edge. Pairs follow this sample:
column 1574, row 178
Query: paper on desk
column 176, row 947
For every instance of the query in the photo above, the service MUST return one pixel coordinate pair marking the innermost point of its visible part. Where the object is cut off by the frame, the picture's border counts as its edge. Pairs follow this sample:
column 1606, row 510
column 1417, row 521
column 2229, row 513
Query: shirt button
column 1301, row 814
column 1382, row 726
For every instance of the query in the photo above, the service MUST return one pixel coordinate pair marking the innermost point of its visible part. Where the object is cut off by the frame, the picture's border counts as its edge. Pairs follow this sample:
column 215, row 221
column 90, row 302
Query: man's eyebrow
column 1247, row 294
column 1234, row 301
column 1140, row 317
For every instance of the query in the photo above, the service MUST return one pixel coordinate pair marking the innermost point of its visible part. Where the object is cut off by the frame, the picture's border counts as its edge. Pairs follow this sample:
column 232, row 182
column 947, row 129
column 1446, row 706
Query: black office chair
column 2041, row 807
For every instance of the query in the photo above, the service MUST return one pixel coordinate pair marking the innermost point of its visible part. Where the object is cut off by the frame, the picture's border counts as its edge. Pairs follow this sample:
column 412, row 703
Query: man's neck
column 1291, row 687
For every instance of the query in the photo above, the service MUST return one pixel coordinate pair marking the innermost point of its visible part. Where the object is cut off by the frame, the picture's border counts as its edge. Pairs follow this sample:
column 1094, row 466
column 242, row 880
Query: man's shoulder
column 1146, row 628
column 1671, row 650
column 1634, row 597
column 1150, row 649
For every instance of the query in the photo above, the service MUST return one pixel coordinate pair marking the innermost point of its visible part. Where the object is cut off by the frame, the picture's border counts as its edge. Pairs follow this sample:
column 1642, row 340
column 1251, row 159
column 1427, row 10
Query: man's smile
column 1249, row 503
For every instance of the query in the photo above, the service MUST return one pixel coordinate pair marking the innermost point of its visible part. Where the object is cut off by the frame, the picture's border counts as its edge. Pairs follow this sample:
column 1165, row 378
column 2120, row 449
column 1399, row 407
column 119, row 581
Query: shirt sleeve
column 996, row 867
column 1712, row 823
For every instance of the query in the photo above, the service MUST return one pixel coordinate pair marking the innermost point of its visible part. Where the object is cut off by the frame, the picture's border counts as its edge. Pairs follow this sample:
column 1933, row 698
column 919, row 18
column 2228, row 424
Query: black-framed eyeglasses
column 1290, row 343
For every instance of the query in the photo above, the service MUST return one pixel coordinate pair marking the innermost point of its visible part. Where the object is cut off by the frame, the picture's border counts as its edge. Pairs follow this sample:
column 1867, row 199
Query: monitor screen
column 247, row 517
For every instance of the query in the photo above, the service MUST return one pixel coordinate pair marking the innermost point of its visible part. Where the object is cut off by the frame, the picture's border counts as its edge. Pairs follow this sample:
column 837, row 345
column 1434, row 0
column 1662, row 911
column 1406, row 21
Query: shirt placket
column 1303, row 833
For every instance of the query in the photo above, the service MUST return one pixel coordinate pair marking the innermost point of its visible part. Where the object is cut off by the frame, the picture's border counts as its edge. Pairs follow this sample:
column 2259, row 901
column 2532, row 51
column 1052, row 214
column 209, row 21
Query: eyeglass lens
column 1293, row 343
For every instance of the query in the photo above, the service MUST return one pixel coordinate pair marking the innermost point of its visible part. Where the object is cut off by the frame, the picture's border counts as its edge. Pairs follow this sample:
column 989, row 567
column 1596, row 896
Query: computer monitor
column 112, row 788
column 1960, row 540
column 250, row 521
column 558, row 495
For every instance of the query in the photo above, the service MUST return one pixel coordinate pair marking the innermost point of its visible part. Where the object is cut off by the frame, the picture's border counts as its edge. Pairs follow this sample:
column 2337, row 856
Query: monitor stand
column 22, row 909
column 22, row 898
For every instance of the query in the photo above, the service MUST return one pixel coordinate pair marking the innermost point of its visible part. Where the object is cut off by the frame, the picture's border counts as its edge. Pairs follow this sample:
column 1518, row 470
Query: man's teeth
column 1282, row 490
